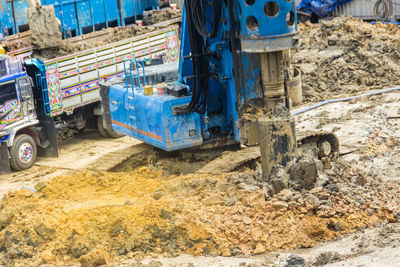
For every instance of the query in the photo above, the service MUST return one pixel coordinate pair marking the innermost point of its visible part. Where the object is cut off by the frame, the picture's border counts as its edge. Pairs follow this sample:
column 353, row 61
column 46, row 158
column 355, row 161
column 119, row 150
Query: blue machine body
column 233, row 79
column 154, row 122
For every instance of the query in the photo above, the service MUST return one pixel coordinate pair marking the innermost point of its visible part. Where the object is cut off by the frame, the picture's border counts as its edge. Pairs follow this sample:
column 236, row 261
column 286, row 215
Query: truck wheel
column 113, row 134
column 103, row 132
column 23, row 152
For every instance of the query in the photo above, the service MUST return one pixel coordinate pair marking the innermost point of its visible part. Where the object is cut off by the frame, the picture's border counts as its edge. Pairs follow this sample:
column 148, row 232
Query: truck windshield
column 7, row 92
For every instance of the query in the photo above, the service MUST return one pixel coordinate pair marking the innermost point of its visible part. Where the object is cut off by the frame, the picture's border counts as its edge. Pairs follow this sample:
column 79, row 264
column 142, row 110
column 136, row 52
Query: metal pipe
column 344, row 99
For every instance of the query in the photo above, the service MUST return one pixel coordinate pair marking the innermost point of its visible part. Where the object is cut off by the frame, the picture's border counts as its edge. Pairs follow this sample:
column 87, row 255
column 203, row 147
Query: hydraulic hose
column 344, row 99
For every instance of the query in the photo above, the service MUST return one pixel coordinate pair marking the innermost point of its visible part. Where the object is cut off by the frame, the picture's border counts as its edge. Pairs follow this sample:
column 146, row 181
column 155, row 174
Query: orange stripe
column 123, row 125
column 154, row 136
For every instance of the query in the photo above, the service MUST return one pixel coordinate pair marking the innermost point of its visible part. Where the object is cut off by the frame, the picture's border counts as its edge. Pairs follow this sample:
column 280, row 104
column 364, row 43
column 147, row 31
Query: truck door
column 10, row 107
column 24, row 86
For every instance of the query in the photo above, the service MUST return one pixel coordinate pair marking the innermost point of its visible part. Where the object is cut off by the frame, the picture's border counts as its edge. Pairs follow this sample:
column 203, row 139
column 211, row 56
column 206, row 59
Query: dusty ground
column 141, row 212
column 87, row 151
column 337, row 212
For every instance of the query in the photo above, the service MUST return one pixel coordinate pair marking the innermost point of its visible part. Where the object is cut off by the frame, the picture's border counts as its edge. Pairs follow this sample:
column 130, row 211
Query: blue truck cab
column 24, row 126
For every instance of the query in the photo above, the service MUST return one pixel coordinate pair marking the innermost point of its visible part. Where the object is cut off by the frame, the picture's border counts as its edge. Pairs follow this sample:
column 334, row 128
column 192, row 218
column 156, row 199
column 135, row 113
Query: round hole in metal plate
column 271, row 9
column 249, row 2
column 290, row 18
column 252, row 23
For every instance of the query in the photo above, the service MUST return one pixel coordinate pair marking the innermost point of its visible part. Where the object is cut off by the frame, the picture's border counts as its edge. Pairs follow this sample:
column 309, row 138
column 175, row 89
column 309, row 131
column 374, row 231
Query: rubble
column 45, row 34
column 44, row 27
column 93, row 217
column 345, row 56
column 155, row 16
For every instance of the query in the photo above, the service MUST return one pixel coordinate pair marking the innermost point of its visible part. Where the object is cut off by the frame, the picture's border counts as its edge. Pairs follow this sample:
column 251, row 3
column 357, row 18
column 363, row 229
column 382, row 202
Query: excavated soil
column 98, row 217
column 45, row 34
column 44, row 27
column 156, row 16
column 346, row 56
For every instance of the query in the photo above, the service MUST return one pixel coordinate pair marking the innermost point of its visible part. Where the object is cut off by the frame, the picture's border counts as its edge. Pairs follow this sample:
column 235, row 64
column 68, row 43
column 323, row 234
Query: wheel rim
column 25, row 152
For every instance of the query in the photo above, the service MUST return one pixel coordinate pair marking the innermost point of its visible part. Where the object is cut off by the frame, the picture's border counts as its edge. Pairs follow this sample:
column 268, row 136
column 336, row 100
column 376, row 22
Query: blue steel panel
column 112, row 10
column 128, row 8
column 252, row 87
column 99, row 14
column 21, row 15
column 69, row 16
column 84, row 13
column 267, row 26
column 6, row 16
column 152, row 119
column 148, row 4
column 66, row 13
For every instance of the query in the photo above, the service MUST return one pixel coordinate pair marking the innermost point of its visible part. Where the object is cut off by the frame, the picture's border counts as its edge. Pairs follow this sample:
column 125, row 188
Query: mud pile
column 155, row 16
column 45, row 34
column 92, row 40
column 345, row 56
column 44, row 27
column 94, row 218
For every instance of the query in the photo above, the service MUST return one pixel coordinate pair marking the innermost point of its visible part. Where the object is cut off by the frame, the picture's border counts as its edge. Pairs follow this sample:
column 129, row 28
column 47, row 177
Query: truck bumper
column 4, row 159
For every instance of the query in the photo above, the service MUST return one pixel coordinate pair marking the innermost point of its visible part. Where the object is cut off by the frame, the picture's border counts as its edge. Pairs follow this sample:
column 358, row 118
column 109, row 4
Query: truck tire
column 23, row 152
column 101, row 128
column 107, row 133
column 113, row 134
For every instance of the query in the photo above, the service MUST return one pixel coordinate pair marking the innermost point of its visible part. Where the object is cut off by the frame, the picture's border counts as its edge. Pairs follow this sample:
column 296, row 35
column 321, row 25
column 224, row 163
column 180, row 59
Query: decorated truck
column 43, row 102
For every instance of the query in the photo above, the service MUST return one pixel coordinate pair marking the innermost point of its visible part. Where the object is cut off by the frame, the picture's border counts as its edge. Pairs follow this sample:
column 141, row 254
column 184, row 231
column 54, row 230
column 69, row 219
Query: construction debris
column 93, row 217
column 345, row 56
column 44, row 27
column 225, row 207
column 155, row 16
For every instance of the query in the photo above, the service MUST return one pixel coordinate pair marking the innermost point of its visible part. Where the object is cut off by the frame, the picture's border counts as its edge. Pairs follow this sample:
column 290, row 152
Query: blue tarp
column 387, row 22
column 320, row 7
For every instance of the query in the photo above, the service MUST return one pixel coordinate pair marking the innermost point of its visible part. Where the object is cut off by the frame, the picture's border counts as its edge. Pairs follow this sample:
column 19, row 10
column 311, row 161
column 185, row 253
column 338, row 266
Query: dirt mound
column 93, row 218
column 44, row 27
column 91, row 40
column 345, row 56
column 45, row 34
column 155, row 16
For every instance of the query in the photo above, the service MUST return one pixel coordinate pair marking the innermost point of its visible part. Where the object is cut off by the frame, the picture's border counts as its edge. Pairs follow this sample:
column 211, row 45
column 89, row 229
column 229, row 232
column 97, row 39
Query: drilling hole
column 290, row 18
column 252, row 23
column 249, row 2
column 271, row 9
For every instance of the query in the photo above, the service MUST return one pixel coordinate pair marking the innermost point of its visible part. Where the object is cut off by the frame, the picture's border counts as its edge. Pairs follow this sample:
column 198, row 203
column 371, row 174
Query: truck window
column 3, row 68
column 7, row 92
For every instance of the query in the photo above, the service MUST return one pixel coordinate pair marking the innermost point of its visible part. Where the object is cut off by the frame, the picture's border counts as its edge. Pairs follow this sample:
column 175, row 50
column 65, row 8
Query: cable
column 344, row 99
column 198, row 37
column 378, row 13
column 199, row 17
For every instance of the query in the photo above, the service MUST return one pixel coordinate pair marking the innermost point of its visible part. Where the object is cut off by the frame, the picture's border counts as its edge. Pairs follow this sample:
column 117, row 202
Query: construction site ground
column 122, row 203
column 360, row 126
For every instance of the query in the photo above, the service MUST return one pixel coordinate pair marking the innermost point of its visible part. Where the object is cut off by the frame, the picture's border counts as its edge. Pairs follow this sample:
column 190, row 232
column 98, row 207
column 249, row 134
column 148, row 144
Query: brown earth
column 45, row 35
column 95, row 216
column 346, row 56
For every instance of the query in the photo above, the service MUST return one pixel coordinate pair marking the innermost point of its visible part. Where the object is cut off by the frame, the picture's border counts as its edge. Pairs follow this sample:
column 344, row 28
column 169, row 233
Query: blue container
column 76, row 16
column 13, row 16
